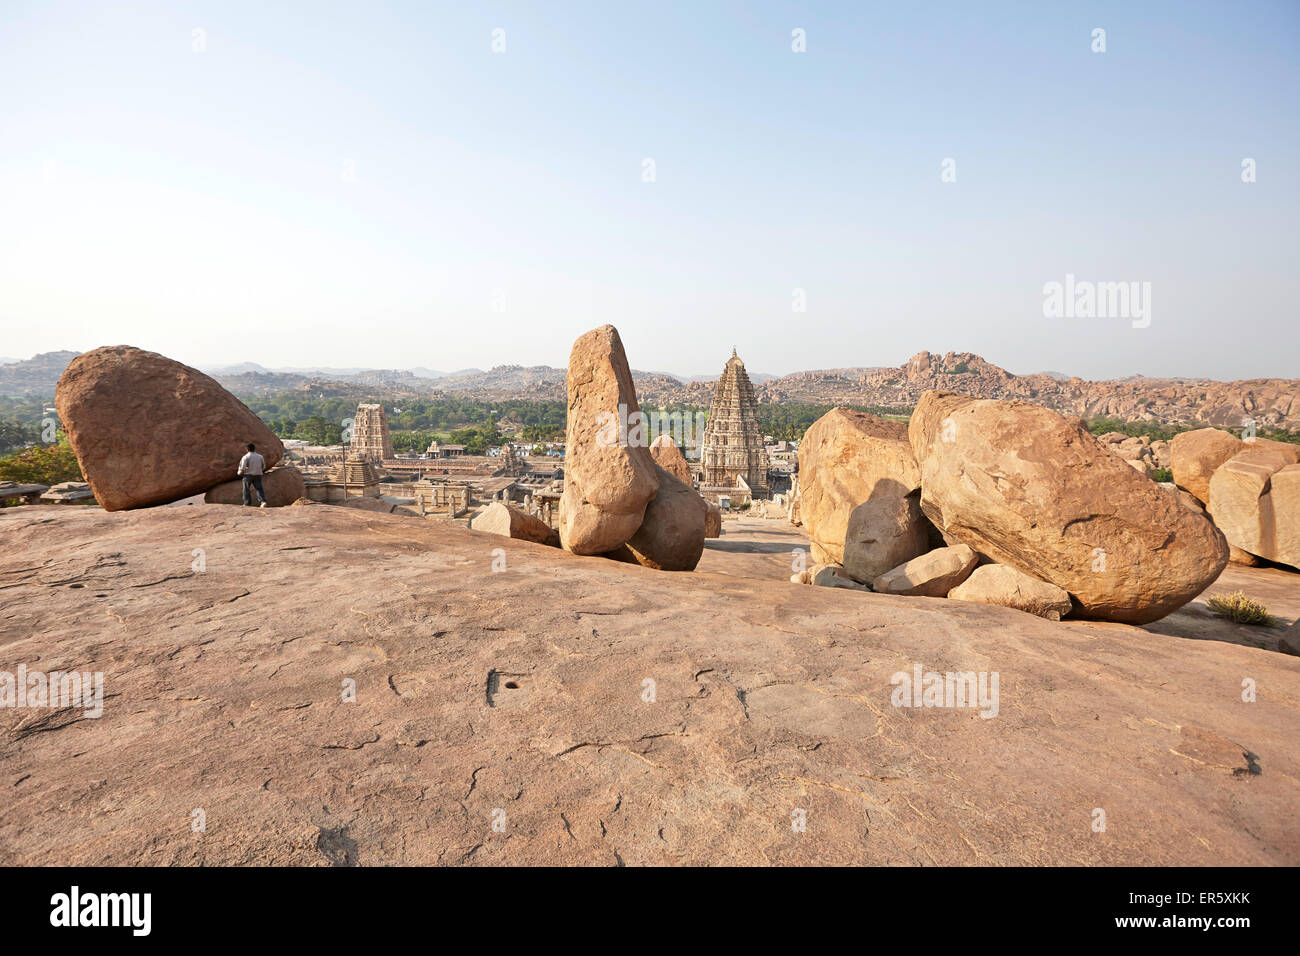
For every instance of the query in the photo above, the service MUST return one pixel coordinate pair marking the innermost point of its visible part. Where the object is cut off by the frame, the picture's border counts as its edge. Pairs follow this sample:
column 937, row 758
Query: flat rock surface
column 520, row 696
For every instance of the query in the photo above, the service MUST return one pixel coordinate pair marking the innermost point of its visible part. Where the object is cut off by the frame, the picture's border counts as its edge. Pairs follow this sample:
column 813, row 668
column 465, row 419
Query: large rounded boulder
column 148, row 430
column 609, row 474
column 1033, row 490
column 846, row 458
column 671, row 538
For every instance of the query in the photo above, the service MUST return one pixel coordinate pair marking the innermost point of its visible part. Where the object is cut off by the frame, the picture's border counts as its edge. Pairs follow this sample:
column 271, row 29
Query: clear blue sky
column 201, row 204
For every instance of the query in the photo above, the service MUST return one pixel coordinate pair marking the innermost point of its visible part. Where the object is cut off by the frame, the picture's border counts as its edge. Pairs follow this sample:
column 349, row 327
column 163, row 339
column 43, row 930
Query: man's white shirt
column 251, row 464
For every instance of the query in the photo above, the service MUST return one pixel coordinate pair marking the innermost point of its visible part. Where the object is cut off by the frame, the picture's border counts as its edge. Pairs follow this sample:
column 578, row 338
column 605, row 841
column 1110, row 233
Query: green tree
column 42, row 465
column 17, row 435
column 319, row 431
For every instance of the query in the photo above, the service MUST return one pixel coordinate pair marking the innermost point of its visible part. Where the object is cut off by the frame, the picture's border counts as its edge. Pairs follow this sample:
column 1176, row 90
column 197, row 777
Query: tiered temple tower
column 370, row 438
column 733, row 442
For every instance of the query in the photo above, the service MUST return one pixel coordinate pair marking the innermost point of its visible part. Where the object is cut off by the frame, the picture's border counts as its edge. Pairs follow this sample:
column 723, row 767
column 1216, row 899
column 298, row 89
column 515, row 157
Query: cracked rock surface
column 579, row 710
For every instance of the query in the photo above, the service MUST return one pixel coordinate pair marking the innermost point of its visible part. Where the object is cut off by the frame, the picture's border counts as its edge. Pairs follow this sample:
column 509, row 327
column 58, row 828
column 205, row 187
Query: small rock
column 500, row 518
column 1000, row 584
column 931, row 575
column 832, row 576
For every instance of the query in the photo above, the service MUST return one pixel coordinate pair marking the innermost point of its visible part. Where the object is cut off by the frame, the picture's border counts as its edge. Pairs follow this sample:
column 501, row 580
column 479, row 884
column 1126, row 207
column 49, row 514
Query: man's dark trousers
column 256, row 482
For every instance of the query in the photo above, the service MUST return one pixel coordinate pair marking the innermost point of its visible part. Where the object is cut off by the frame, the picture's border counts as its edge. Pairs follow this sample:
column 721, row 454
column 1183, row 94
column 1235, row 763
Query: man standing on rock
column 251, row 467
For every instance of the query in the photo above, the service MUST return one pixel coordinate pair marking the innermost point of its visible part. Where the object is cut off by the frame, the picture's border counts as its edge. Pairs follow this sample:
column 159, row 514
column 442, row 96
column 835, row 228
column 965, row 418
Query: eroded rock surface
column 224, row 692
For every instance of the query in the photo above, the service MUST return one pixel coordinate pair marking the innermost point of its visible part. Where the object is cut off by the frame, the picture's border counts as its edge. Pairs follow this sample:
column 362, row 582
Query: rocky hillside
column 1274, row 402
column 520, row 698
column 34, row 376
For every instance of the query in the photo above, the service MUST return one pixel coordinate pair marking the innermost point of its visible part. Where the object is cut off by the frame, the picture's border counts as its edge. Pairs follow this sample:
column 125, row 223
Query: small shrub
column 1240, row 609
column 1162, row 474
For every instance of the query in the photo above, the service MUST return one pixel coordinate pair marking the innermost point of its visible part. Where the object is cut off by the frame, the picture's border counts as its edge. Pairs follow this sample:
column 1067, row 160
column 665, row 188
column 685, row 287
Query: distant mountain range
column 35, row 376
column 1273, row 402
column 313, row 371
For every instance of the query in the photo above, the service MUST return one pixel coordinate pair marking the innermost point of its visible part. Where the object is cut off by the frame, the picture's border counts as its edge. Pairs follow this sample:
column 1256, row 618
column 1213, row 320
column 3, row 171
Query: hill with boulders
column 1271, row 402
column 340, row 686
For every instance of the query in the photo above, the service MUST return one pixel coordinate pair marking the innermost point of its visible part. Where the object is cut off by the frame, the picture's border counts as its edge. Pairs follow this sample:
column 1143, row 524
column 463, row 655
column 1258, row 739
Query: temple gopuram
column 370, row 438
column 733, row 461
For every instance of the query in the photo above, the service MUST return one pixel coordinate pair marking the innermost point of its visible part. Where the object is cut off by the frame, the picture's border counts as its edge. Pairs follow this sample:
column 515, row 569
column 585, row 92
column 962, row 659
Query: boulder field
column 1032, row 493
column 225, row 690
column 1029, row 488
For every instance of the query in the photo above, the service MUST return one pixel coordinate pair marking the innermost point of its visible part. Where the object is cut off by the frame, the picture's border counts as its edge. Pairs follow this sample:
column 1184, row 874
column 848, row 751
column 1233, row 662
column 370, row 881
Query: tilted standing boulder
column 148, row 430
column 1033, row 490
column 609, row 474
column 845, row 458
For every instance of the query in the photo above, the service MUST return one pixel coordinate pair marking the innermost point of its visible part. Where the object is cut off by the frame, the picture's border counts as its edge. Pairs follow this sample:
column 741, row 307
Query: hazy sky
column 358, row 183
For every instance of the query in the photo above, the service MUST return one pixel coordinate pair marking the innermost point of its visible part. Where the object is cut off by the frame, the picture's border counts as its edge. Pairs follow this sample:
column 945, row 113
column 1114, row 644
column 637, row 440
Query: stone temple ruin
column 355, row 476
column 732, row 457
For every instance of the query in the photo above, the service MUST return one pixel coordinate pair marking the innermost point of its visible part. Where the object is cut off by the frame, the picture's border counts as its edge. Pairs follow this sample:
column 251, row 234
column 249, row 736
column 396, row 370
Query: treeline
column 42, row 464
column 789, row 422
column 22, row 421
column 17, row 435
column 1158, row 432
column 320, row 420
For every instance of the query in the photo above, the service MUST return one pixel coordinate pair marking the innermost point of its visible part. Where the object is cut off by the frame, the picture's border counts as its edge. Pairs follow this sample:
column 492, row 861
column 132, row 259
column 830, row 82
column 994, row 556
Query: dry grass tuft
column 1239, row 609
